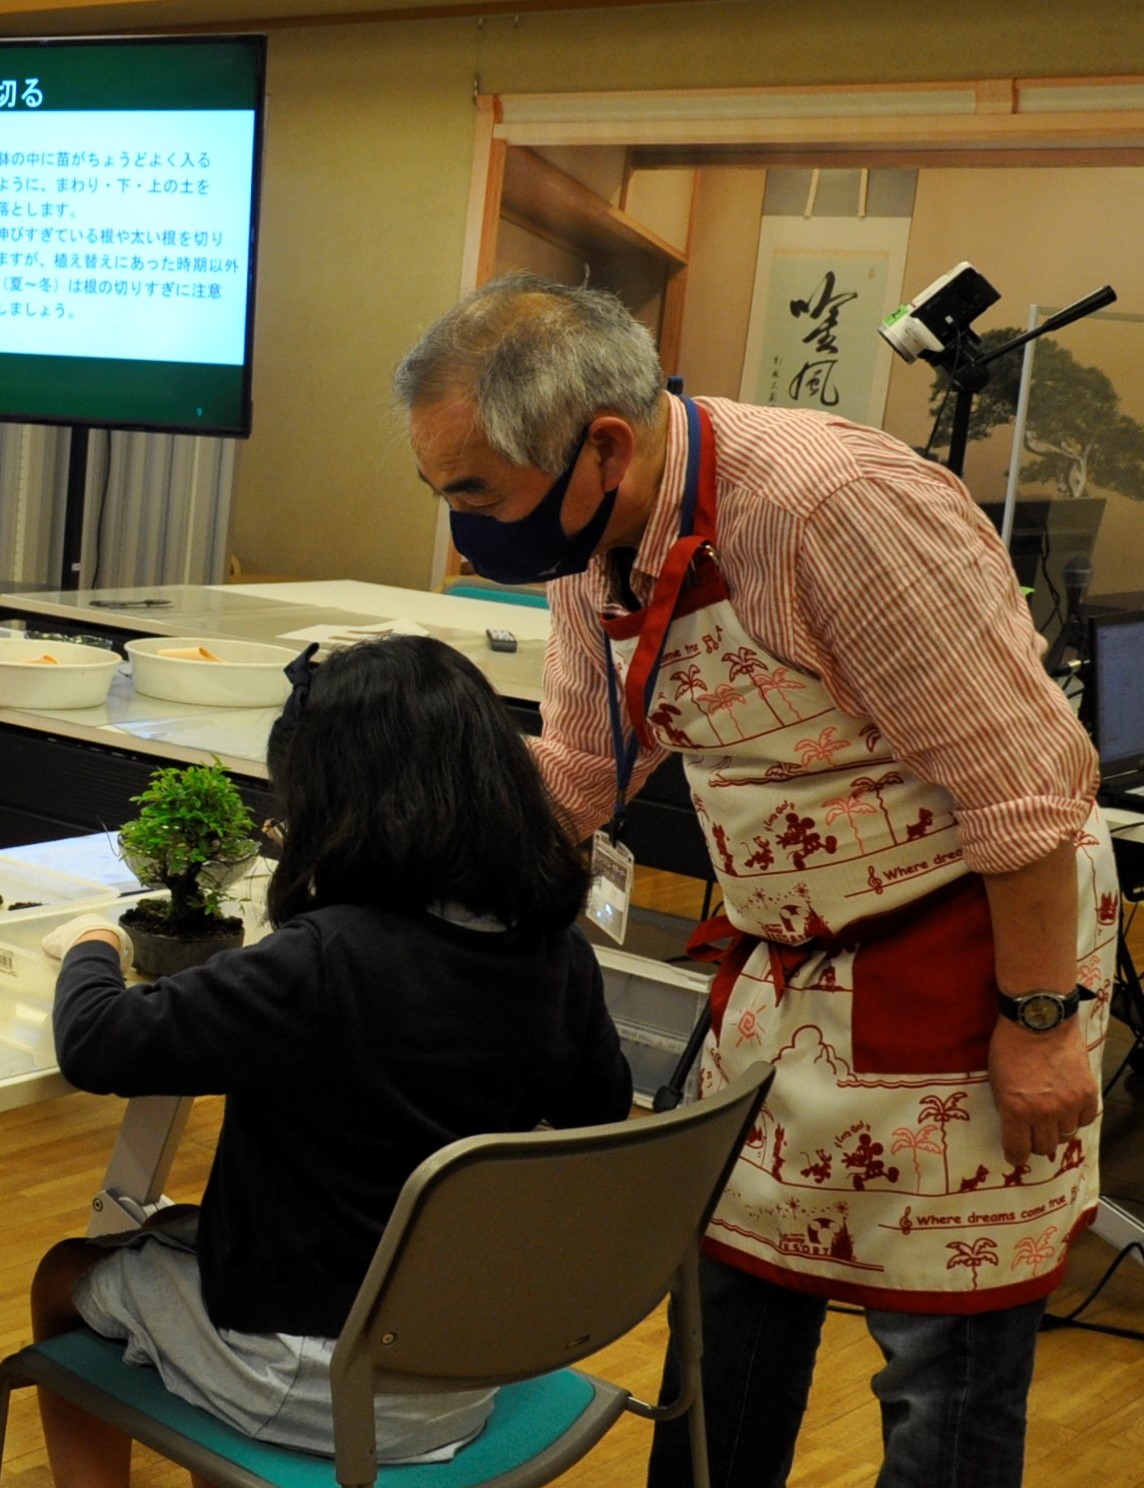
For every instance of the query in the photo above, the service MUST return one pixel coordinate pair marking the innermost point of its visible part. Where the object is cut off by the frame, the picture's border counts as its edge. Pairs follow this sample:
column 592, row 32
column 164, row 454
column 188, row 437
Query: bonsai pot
column 159, row 952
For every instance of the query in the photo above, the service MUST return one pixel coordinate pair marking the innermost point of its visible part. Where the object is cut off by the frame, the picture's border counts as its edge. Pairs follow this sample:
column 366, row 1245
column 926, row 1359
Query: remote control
column 501, row 640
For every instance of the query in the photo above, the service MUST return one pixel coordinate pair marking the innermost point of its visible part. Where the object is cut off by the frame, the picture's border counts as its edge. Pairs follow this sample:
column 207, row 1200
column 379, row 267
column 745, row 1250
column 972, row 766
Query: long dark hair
column 404, row 780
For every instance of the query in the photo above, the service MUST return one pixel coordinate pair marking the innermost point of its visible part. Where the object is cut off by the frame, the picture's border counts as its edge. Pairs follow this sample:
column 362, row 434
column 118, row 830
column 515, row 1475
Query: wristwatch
column 1041, row 1011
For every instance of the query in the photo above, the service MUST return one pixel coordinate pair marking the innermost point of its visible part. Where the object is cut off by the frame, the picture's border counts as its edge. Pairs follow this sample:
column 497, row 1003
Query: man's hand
column 1043, row 1086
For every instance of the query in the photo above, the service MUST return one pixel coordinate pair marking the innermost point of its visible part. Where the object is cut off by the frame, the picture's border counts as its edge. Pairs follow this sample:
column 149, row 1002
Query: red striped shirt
column 849, row 557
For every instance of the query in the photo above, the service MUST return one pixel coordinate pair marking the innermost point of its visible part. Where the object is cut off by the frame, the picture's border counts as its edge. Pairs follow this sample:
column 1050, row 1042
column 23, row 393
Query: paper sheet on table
column 240, row 732
column 329, row 636
column 94, row 856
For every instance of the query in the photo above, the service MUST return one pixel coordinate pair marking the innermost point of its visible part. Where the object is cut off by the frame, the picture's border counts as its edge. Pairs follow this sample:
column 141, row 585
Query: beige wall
column 720, row 279
column 1045, row 237
column 368, row 156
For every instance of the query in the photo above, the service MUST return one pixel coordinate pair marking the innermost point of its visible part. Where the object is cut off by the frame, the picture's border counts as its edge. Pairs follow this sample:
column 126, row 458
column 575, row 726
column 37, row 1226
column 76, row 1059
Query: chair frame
column 393, row 1341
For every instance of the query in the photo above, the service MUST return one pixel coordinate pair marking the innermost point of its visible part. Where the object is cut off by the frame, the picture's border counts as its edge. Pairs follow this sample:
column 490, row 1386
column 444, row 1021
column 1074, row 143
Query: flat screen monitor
column 1046, row 534
column 129, row 195
column 1114, row 695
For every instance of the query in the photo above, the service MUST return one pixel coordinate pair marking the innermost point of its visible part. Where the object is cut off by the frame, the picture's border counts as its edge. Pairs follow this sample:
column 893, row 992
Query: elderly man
column 919, row 897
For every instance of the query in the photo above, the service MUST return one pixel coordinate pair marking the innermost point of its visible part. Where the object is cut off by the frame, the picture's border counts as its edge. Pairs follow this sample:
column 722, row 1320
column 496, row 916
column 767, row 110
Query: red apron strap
column 705, row 944
column 660, row 612
column 657, row 618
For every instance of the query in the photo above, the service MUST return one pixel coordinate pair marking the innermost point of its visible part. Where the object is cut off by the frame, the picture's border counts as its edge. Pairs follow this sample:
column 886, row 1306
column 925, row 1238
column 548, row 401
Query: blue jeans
column 953, row 1391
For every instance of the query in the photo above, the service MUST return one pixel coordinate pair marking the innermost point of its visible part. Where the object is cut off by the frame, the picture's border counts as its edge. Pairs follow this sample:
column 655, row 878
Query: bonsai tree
column 193, row 835
column 1074, row 425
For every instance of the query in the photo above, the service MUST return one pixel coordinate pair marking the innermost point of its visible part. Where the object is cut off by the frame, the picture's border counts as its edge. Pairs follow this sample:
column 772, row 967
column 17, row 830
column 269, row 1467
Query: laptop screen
column 1115, row 687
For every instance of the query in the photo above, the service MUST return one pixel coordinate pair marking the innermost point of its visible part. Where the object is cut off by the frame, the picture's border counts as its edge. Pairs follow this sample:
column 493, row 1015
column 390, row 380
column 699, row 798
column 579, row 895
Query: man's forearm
column 1042, row 1082
column 1034, row 915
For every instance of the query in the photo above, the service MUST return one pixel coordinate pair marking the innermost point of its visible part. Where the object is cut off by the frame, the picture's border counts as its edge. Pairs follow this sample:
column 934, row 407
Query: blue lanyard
column 627, row 750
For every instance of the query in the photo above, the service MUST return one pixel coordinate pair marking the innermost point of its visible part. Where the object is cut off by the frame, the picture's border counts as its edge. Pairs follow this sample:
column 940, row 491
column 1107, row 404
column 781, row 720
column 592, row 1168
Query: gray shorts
column 274, row 1387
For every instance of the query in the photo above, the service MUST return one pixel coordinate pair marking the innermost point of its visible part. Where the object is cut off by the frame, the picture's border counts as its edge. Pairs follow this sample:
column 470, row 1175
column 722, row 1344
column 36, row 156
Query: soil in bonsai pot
column 164, row 947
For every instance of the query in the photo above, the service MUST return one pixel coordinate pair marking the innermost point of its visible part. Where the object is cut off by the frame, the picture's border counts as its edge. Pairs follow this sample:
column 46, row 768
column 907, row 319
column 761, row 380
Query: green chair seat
column 527, row 1420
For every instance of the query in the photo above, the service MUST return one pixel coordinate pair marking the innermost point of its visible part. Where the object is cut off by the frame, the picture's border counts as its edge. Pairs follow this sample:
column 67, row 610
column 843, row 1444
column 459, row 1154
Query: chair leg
column 5, row 1400
column 700, row 1462
column 687, row 1331
column 11, row 1378
column 83, row 1449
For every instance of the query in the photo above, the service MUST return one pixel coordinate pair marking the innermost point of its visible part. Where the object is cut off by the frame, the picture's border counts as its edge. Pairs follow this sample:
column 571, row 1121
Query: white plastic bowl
column 247, row 674
column 81, row 677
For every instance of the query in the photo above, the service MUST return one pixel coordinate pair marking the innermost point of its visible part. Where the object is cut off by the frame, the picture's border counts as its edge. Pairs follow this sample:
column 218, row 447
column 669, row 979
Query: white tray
column 45, row 887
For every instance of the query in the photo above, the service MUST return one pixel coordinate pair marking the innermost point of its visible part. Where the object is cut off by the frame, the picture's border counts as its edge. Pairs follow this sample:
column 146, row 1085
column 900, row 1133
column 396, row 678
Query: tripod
column 969, row 371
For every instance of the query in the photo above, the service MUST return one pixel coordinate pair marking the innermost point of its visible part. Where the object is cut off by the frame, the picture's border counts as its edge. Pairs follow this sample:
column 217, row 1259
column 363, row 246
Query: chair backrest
column 532, row 598
column 508, row 1256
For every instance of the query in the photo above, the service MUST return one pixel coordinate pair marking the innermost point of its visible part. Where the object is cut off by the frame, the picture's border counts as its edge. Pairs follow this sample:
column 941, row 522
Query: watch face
column 1041, row 1011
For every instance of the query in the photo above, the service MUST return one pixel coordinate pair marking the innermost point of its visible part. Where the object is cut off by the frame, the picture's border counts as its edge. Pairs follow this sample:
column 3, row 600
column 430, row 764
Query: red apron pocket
column 925, row 996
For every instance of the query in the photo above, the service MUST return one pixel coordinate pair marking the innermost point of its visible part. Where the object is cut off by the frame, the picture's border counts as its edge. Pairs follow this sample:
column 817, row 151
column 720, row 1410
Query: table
column 73, row 772
column 152, row 1126
column 299, row 611
column 76, row 771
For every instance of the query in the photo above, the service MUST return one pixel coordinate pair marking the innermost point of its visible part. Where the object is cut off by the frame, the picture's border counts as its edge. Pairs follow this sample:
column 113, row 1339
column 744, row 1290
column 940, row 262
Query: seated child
column 424, row 981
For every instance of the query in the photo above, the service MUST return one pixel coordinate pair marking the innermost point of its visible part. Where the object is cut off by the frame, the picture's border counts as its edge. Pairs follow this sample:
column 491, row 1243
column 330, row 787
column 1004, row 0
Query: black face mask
column 535, row 547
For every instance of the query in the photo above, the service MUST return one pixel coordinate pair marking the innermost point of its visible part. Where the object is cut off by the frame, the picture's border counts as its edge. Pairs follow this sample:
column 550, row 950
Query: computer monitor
column 1046, row 534
column 129, row 210
column 1113, row 703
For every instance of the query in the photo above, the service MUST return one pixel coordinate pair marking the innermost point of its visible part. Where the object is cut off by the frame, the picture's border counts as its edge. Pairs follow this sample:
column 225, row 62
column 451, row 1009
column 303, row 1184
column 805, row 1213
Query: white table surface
column 288, row 613
column 1123, row 823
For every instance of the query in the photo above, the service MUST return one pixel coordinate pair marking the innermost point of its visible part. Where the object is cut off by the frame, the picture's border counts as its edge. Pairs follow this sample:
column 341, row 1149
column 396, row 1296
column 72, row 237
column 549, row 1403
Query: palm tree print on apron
column 860, row 962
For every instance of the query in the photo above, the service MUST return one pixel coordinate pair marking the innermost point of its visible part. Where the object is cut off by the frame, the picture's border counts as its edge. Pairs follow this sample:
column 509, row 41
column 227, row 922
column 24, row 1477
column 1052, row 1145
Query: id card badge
column 613, row 873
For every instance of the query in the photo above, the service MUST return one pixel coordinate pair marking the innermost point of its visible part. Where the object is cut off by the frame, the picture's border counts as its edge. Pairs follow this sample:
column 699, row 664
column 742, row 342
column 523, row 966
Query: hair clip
column 301, row 673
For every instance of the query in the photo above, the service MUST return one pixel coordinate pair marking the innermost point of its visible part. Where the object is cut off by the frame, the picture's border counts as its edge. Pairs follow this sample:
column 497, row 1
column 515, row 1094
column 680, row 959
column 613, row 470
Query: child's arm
column 244, row 1021
column 108, row 937
column 56, row 943
column 600, row 1086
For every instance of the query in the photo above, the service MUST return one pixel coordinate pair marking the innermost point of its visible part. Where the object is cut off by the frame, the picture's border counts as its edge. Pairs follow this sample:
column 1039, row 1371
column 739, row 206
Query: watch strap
column 1013, row 1008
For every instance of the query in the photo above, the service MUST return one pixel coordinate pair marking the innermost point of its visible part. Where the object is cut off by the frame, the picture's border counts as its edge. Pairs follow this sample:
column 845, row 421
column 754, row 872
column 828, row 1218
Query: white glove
column 58, row 942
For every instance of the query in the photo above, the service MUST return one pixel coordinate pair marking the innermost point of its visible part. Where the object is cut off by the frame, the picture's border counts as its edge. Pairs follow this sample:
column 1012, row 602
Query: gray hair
column 539, row 360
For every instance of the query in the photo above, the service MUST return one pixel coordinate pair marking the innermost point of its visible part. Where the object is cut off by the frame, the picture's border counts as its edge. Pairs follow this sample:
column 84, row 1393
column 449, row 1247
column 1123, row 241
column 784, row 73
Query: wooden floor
column 1087, row 1409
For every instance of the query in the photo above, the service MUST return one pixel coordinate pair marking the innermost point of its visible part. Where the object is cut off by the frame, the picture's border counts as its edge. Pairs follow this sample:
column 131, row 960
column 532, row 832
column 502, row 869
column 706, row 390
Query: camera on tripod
column 936, row 322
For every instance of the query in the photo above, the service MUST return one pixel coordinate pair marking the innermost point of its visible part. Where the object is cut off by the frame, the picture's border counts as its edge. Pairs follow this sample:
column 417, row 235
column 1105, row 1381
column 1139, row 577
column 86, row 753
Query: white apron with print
column 876, row 1173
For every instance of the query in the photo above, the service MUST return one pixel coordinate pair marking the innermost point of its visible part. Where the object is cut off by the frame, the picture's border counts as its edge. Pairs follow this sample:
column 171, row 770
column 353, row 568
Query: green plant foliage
column 192, row 830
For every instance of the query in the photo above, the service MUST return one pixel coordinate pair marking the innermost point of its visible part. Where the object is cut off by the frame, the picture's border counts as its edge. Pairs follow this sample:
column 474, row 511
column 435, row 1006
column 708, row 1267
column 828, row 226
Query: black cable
column 668, row 1096
column 1107, row 1088
column 99, row 514
column 1056, row 613
column 1051, row 1320
column 926, row 453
